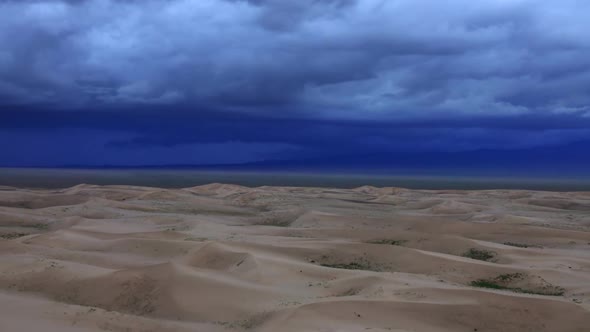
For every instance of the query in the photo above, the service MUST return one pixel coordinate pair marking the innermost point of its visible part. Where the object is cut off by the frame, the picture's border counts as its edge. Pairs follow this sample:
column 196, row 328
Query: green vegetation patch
column 197, row 239
column 514, row 244
column 361, row 263
column 502, row 281
column 510, row 277
column 480, row 254
column 487, row 284
column 349, row 266
column 388, row 241
column 275, row 222
column 11, row 236
column 521, row 245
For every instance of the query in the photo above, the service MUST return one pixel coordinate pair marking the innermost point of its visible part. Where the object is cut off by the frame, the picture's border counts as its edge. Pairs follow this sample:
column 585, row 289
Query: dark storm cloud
column 226, row 81
column 331, row 59
column 162, row 128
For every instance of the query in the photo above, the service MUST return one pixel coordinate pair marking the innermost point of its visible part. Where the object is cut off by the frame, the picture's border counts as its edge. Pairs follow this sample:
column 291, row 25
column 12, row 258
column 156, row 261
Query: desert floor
column 231, row 258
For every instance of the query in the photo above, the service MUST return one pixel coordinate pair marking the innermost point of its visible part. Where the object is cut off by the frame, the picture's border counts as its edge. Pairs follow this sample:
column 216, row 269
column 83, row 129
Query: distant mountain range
column 572, row 159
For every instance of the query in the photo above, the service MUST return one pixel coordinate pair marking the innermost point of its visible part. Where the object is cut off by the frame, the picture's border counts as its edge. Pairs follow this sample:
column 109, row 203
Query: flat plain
column 224, row 257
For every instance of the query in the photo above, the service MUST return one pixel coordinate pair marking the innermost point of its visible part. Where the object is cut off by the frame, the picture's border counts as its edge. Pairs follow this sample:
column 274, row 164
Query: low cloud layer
column 335, row 59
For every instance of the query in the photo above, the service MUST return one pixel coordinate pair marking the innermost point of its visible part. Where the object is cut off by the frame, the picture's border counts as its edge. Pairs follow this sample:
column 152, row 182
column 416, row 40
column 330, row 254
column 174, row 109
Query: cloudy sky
column 154, row 82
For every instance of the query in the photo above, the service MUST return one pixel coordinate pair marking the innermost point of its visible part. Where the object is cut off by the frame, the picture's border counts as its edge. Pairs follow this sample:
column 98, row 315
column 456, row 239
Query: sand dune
column 229, row 258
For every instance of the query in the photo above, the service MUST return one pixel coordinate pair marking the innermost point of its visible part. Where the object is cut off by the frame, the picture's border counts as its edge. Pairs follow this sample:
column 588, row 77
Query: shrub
column 480, row 254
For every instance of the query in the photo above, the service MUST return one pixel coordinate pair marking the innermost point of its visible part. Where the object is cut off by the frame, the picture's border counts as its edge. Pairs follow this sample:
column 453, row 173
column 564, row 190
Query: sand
column 231, row 258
